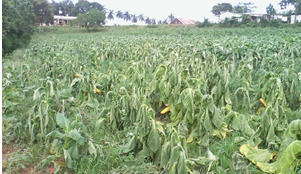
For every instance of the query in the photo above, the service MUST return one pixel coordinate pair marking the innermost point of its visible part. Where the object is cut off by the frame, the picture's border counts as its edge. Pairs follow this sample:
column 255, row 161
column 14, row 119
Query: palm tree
column 134, row 18
column 141, row 17
column 127, row 16
column 148, row 21
column 171, row 17
column 153, row 21
column 111, row 15
column 119, row 14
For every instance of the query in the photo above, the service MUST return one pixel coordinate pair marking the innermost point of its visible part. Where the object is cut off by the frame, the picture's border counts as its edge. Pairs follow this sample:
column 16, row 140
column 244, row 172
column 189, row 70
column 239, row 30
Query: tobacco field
column 157, row 100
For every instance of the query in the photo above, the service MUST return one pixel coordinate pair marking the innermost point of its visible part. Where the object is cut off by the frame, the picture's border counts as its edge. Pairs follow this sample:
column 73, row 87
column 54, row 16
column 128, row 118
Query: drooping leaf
column 63, row 122
column 181, row 164
column 75, row 135
column 73, row 151
column 130, row 145
column 65, row 94
column 56, row 134
column 44, row 163
column 286, row 162
column 153, row 140
column 68, row 159
column 256, row 155
column 91, row 148
column 165, row 154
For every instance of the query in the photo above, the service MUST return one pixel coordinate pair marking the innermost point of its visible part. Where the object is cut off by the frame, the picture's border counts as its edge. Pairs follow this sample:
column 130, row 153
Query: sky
column 187, row 9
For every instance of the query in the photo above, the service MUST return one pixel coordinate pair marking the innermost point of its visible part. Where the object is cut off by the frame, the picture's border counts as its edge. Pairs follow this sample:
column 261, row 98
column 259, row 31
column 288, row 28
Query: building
column 183, row 21
column 229, row 15
column 298, row 18
column 62, row 20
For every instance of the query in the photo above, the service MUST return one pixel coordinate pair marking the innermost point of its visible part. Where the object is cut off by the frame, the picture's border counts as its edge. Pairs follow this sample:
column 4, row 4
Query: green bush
column 17, row 24
column 206, row 23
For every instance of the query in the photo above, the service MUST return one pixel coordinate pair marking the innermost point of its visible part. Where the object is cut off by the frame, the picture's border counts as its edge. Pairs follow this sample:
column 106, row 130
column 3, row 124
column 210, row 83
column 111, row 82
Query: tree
column 97, row 6
column 153, row 21
column 56, row 7
column 295, row 3
column 221, row 8
column 17, row 24
column 270, row 11
column 43, row 11
column 68, row 8
column 244, row 8
column 119, row 14
column 148, row 21
column 127, row 16
column 82, row 6
column 134, row 18
column 171, row 17
column 93, row 18
column 141, row 17
column 111, row 15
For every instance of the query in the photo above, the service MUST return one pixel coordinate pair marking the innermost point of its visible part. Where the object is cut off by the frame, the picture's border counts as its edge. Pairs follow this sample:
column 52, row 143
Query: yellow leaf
column 261, row 100
column 164, row 111
column 77, row 75
column 260, row 110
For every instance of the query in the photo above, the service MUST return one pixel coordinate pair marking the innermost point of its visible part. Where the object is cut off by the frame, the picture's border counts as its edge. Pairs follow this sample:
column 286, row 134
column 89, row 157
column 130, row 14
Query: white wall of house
column 229, row 15
column 298, row 19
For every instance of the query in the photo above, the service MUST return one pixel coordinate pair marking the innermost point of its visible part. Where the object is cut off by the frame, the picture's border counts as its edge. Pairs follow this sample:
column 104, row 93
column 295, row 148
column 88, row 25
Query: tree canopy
column 43, row 11
column 92, row 18
column 221, row 8
column 270, row 11
column 244, row 7
column 296, row 3
column 17, row 24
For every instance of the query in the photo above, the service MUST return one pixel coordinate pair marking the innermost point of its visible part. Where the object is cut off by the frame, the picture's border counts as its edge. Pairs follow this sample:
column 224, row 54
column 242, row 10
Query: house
column 298, row 18
column 62, row 20
column 229, row 15
column 256, row 16
column 253, row 16
column 183, row 21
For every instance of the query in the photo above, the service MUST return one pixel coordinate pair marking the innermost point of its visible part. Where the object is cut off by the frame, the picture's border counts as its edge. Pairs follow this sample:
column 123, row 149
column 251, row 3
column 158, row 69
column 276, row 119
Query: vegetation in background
column 92, row 18
column 96, row 101
column 295, row 3
column 17, row 24
column 43, row 12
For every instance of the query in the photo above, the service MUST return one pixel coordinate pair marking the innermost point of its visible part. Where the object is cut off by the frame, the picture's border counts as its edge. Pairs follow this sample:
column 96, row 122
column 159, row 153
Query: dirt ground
column 6, row 151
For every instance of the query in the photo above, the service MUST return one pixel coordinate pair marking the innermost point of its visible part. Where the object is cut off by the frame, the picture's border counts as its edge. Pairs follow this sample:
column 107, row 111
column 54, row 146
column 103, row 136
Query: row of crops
column 233, row 95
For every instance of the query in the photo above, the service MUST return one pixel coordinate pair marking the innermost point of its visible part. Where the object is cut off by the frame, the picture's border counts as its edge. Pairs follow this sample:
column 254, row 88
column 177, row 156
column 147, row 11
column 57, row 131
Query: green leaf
column 200, row 161
column 92, row 102
column 65, row 94
column 227, row 98
column 181, row 164
column 130, row 145
column 51, row 90
column 286, row 162
column 175, row 152
column 36, row 94
column 68, row 159
column 56, row 134
column 153, row 140
column 256, row 155
column 73, row 151
column 165, row 154
column 44, row 163
column 91, row 148
column 75, row 135
column 63, row 122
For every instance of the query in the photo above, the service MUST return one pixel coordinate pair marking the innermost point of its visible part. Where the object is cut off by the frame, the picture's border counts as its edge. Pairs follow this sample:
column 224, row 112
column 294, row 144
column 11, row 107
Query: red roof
column 182, row 21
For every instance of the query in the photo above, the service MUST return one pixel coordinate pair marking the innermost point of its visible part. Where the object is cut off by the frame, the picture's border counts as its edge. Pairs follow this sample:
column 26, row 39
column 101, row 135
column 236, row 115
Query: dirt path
column 6, row 155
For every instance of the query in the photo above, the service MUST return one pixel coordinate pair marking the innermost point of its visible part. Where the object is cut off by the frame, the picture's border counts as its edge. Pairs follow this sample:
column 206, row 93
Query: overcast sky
column 187, row 9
